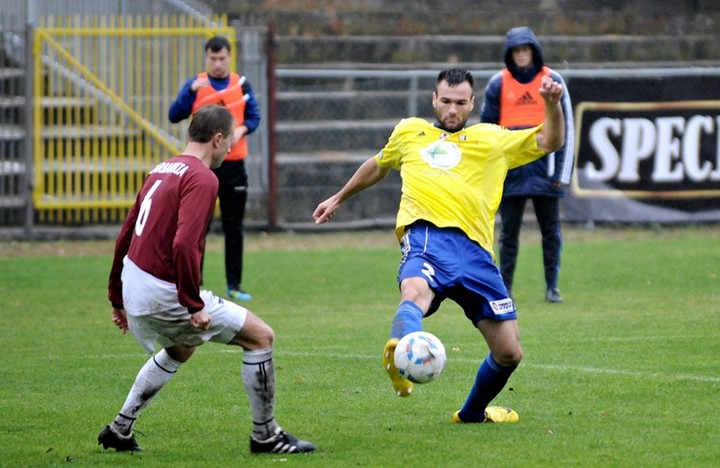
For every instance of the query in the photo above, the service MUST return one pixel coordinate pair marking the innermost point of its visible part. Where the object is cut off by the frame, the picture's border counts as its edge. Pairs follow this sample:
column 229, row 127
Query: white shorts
column 155, row 315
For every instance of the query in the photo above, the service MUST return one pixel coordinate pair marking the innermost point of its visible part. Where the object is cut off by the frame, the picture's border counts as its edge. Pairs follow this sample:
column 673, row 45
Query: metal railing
column 101, row 92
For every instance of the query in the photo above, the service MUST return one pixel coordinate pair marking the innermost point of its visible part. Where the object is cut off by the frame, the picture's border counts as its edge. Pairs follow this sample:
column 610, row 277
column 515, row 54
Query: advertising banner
column 647, row 146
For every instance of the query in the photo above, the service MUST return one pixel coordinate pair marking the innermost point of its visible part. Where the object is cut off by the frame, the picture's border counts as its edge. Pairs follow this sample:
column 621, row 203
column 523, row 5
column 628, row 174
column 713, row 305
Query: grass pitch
column 626, row 372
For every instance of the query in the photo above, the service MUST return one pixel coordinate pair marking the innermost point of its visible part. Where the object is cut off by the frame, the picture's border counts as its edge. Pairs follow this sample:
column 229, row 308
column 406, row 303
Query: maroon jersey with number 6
column 164, row 232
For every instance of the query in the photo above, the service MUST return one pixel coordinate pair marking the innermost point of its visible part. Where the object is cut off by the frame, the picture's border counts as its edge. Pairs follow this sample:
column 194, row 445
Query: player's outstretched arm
column 368, row 174
column 552, row 135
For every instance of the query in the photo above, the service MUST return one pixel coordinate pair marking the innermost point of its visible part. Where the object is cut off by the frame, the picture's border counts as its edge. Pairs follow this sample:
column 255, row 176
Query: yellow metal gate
column 102, row 89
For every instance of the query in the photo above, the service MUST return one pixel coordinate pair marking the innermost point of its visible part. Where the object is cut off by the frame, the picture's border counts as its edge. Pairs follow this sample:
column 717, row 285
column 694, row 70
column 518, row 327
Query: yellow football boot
column 493, row 414
column 401, row 385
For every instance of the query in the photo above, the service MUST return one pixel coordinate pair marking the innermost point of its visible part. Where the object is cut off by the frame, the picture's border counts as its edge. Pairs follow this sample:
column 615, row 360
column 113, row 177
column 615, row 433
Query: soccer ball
column 420, row 357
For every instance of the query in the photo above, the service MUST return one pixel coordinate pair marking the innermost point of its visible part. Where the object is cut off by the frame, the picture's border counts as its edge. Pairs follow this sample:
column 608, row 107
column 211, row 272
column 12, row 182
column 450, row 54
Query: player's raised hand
column 550, row 90
column 199, row 83
column 552, row 135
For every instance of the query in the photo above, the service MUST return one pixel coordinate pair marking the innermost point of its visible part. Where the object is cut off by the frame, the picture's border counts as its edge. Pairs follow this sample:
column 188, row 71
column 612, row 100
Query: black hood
column 520, row 36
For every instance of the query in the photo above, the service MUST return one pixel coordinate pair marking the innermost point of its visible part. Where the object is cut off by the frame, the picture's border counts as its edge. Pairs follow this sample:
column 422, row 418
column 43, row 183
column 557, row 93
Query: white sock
column 258, row 375
column 153, row 376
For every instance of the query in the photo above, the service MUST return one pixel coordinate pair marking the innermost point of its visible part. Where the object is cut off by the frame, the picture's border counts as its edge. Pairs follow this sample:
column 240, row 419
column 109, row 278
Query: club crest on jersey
column 441, row 154
column 503, row 306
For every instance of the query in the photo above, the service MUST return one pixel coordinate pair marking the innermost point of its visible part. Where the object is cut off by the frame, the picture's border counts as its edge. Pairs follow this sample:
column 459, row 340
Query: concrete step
column 7, row 73
column 88, row 165
column 11, row 132
column 11, row 168
column 11, row 202
column 548, row 17
column 88, row 131
column 11, row 102
column 565, row 50
column 70, row 201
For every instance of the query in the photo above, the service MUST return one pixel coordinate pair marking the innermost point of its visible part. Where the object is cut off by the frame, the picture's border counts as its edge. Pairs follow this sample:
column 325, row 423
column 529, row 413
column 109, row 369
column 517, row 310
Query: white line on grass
column 335, row 355
column 642, row 338
column 559, row 368
column 598, row 370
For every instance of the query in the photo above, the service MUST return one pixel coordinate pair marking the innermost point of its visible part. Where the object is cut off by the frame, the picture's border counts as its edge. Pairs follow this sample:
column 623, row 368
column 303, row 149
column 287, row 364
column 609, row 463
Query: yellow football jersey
column 455, row 179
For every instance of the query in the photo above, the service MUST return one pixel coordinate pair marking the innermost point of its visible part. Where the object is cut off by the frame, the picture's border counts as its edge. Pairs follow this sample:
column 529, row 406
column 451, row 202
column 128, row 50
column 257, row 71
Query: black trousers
column 547, row 212
column 233, row 198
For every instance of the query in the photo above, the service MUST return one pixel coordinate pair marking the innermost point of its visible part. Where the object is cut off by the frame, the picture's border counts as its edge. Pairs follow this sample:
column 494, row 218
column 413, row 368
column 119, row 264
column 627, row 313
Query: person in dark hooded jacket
column 512, row 100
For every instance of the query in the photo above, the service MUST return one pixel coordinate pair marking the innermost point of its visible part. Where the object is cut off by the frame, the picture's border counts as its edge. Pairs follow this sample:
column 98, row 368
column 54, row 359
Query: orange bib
column 521, row 105
column 231, row 98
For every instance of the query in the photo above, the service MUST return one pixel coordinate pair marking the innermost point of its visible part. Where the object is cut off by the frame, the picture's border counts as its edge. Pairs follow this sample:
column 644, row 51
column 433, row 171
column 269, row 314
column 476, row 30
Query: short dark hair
column 455, row 76
column 217, row 43
column 208, row 121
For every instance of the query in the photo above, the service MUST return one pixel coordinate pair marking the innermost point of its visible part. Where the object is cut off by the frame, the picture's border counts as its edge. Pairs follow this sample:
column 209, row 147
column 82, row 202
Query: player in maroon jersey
column 154, row 288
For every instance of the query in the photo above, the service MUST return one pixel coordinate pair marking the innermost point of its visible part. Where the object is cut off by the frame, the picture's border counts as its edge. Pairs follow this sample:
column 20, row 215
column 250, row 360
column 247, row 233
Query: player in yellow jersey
column 452, row 181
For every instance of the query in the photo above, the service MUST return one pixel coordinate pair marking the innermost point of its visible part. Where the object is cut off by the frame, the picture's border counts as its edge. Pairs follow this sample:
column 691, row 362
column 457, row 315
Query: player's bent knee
column 180, row 353
column 255, row 334
column 509, row 358
column 266, row 338
column 517, row 357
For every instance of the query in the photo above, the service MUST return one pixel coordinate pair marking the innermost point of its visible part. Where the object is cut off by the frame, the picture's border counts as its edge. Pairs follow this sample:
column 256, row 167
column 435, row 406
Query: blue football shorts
column 456, row 268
